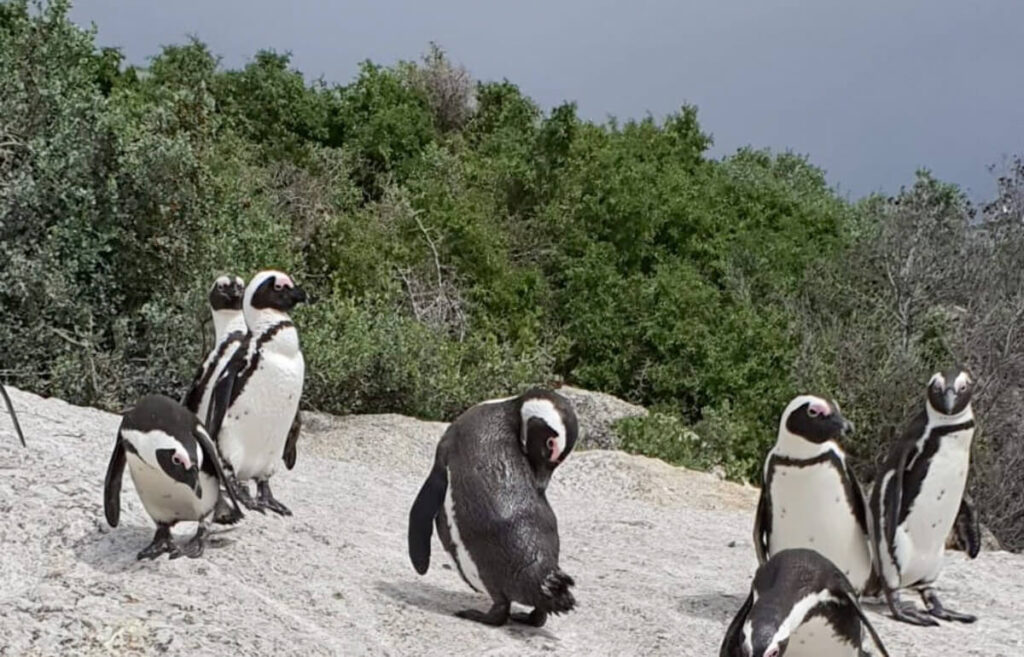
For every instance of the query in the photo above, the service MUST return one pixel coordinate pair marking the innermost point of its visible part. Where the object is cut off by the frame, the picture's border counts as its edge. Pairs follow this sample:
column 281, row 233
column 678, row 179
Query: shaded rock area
column 662, row 558
column 597, row 412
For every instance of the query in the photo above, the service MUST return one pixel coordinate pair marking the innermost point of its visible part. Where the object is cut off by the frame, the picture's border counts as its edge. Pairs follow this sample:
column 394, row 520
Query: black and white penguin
column 14, row 417
column 229, row 330
column 176, row 471
column 810, row 497
column 256, row 398
column 800, row 605
column 486, row 495
column 920, row 494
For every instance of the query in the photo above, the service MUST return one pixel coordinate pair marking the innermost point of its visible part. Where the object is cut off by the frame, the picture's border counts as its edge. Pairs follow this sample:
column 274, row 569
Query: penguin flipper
column 421, row 517
column 194, row 396
column 290, row 444
column 223, row 391
column 112, row 484
column 968, row 527
column 14, row 417
column 211, row 455
column 762, row 526
column 860, row 504
column 732, row 635
column 852, row 596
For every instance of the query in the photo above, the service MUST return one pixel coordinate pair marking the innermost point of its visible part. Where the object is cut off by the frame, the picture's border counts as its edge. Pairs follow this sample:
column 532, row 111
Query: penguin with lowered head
column 176, row 470
column 810, row 497
column 919, row 495
column 486, row 495
column 255, row 401
column 14, row 417
column 800, row 605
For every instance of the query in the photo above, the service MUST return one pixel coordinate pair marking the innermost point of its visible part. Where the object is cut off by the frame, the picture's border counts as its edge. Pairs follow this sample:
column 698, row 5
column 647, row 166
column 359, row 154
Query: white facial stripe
column 938, row 377
column 796, row 615
column 545, row 410
column 146, row 443
column 223, row 280
column 961, row 382
column 256, row 282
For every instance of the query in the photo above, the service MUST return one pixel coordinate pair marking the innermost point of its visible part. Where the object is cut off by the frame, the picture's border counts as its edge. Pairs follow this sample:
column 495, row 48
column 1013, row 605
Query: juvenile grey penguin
column 800, row 605
column 256, row 398
column 486, row 496
column 919, row 496
column 176, row 471
column 14, row 417
column 229, row 329
column 810, row 497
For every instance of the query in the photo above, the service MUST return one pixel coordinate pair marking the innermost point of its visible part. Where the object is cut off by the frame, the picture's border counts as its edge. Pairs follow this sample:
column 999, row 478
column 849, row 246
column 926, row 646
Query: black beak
column 298, row 294
column 191, row 480
column 950, row 400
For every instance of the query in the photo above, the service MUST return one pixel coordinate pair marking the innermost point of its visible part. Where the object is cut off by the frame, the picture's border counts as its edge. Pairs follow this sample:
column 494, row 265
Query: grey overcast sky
column 870, row 90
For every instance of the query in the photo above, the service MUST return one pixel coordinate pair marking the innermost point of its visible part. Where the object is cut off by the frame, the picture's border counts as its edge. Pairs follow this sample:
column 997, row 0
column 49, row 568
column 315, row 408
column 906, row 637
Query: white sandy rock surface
column 661, row 556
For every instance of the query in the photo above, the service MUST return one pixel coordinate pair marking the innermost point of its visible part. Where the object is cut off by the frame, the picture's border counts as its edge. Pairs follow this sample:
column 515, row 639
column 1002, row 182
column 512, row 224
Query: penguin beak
column 298, row 294
column 848, row 427
column 950, row 400
column 191, row 480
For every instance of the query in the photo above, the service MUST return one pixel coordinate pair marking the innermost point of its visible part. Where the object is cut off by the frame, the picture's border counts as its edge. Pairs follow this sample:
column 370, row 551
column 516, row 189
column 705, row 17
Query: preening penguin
column 14, row 417
column 810, row 497
column 176, row 471
column 920, row 494
column 486, row 496
column 800, row 605
column 254, row 410
column 229, row 329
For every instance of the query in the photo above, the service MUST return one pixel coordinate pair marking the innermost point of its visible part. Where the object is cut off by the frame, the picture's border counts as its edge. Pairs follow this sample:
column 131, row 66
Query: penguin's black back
column 504, row 520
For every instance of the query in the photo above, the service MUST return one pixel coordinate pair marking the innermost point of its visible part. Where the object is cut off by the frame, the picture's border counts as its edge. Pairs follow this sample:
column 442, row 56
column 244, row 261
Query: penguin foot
column 497, row 616
column 195, row 547
column 906, row 612
column 936, row 609
column 536, row 618
column 241, row 492
column 266, row 499
column 161, row 543
column 224, row 513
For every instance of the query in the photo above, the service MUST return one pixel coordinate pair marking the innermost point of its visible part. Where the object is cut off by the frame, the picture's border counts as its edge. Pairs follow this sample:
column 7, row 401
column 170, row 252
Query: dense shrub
column 462, row 243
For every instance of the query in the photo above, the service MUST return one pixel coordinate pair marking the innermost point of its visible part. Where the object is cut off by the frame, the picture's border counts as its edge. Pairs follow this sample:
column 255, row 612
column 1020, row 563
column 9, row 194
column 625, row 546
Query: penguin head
column 274, row 291
column 949, row 392
column 226, row 293
column 814, row 419
column 179, row 466
column 549, row 428
column 177, row 459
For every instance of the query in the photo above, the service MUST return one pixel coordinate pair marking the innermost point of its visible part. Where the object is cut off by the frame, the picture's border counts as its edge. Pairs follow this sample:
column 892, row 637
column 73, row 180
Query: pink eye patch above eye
column 284, row 281
column 821, row 408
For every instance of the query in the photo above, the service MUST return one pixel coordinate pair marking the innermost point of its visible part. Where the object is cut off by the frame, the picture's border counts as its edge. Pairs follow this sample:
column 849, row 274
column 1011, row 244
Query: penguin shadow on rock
column 486, row 496
column 711, row 606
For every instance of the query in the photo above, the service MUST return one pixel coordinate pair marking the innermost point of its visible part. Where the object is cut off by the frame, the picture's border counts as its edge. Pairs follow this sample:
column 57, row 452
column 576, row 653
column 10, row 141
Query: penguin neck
column 259, row 320
column 937, row 418
column 797, row 447
column 227, row 321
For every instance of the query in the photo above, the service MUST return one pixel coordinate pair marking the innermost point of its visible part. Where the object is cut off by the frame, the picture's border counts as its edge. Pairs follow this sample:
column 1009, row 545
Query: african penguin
column 800, row 605
column 229, row 329
column 919, row 496
column 810, row 497
column 256, row 398
column 176, row 471
column 486, row 496
column 14, row 417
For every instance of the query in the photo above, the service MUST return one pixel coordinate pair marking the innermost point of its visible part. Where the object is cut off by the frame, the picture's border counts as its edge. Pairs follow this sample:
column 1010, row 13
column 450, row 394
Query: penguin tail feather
column 225, row 514
column 556, row 598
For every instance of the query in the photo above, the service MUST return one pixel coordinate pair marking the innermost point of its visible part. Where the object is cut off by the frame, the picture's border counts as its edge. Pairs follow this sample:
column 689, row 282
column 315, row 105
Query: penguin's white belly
column 816, row 638
column 168, row 500
column 459, row 553
column 921, row 539
column 256, row 427
column 810, row 510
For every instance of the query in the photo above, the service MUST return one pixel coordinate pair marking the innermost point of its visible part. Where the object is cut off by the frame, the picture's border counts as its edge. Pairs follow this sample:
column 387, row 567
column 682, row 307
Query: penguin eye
column 177, row 460
column 774, row 652
column 813, row 412
column 552, row 443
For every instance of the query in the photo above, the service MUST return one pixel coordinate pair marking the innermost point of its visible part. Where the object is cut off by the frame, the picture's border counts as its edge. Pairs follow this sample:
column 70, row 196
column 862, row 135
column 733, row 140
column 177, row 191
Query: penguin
column 920, row 496
column 176, row 471
column 256, row 398
column 14, row 416
column 486, row 495
column 225, row 298
column 800, row 605
column 810, row 497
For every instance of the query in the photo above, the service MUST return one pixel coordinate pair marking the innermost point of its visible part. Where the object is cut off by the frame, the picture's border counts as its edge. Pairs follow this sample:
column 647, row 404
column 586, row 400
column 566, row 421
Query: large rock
column 661, row 555
column 597, row 412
